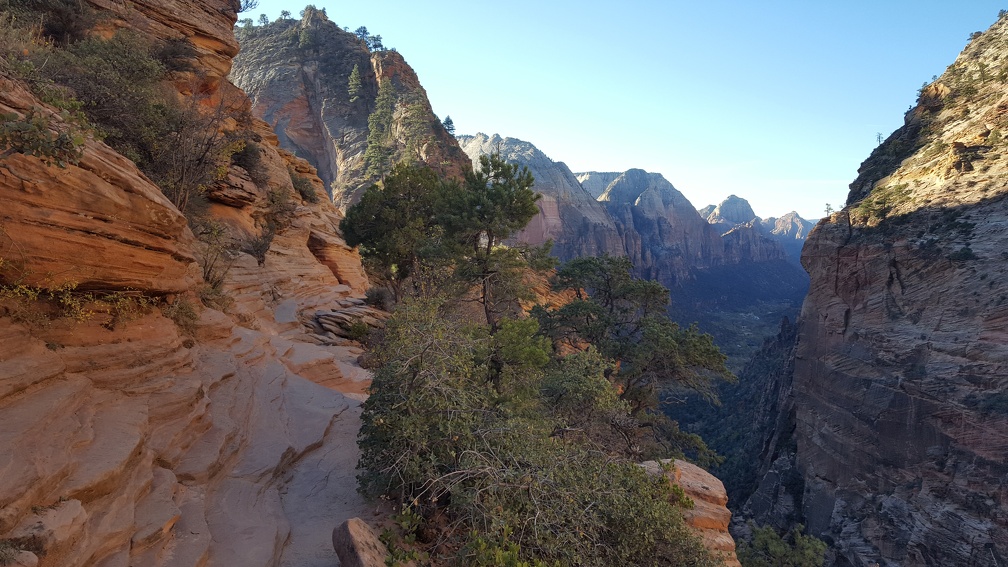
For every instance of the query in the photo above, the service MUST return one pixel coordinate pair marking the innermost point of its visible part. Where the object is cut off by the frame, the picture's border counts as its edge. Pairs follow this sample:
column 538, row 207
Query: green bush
column 304, row 187
column 249, row 158
column 769, row 549
column 437, row 435
column 37, row 134
column 963, row 254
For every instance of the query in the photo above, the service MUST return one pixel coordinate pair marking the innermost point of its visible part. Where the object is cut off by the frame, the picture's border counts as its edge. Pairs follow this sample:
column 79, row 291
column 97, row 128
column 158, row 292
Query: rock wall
column 900, row 378
column 709, row 517
column 300, row 87
column 568, row 215
column 143, row 440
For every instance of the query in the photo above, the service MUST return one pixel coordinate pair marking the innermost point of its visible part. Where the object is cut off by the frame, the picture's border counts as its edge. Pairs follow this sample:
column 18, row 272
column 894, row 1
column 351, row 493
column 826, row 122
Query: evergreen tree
column 393, row 223
column 354, row 84
column 494, row 202
column 626, row 320
column 449, row 126
column 379, row 150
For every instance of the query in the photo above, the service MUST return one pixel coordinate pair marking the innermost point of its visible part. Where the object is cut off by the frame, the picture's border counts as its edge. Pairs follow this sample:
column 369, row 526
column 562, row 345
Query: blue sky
column 775, row 101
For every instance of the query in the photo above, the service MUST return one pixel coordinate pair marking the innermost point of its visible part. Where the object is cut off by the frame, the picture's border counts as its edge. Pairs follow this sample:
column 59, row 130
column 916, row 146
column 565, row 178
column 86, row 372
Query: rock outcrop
column 175, row 434
column 297, row 73
column 596, row 182
column 900, row 404
column 576, row 223
column 134, row 238
column 709, row 517
column 663, row 234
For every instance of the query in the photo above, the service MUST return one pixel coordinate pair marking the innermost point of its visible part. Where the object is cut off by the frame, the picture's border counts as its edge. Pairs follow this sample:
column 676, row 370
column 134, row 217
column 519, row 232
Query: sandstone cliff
column 709, row 517
column 790, row 231
column 297, row 73
column 595, row 182
column 137, row 439
column 900, row 380
column 568, row 215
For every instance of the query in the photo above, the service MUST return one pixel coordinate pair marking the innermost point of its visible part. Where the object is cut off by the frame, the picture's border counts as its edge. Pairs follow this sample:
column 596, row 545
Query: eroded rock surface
column 709, row 517
column 301, row 89
column 152, row 441
column 900, row 370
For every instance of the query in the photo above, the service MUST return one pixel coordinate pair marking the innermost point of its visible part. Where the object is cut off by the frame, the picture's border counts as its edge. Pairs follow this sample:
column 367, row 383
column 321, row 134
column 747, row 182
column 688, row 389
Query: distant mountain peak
column 733, row 210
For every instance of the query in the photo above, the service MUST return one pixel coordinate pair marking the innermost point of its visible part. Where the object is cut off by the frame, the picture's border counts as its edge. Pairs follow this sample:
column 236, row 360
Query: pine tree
column 449, row 126
column 354, row 85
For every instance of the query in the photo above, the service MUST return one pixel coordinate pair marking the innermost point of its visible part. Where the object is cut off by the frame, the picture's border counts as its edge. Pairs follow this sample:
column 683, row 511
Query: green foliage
column 183, row 314
column 963, row 254
column 249, row 157
column 307, row 38
column 37, row 304
column 304, row 187
column 177, row 55
column 881, row 201
column 768, row 549
column 652, row 358
column 37, row 134
column 117, row 82
column 626, row 320
column 393, row 223
column 449, row 125
column 216, row 256
column 354, row 84
column 378, row 153
column 494, row 202
column 434, row 435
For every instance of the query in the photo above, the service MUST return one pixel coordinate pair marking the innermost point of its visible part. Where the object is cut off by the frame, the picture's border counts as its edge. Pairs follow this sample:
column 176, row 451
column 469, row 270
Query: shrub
column 183, row 313
column 258, row 246
column 249, row 158
column 768, row 549
column 437, row 434
column 177, row 55
column 963, row 254
column 379, row 297
column 36, row 134
column 117, row 81
column 304, row 187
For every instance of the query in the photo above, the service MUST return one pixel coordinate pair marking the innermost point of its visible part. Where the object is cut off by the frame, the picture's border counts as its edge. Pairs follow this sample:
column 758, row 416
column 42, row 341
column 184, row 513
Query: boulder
column 357, row 545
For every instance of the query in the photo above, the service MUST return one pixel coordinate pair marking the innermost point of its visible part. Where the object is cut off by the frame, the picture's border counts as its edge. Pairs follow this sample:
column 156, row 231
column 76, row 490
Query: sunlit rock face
column 300, row 87
column 153, row 438
column 577, row 224
column 900, row 373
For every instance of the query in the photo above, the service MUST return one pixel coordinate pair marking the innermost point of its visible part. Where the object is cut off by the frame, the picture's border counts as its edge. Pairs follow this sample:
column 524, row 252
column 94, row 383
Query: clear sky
column 775, row 101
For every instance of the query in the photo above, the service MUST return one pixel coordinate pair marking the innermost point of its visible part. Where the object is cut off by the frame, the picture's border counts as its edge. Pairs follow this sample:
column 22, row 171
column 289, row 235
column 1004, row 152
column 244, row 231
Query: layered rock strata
column 173, row 434
column 297, row 74
column 709, row 517
column 900, row 376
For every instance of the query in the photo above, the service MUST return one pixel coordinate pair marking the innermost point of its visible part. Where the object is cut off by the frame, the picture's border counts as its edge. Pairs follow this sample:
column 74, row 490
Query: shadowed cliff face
column 297, row 73
column 900, row 374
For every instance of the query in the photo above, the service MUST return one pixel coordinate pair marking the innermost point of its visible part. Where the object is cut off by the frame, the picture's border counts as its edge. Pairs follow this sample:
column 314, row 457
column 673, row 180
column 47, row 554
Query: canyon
column 169, row 432
column 165, row 420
